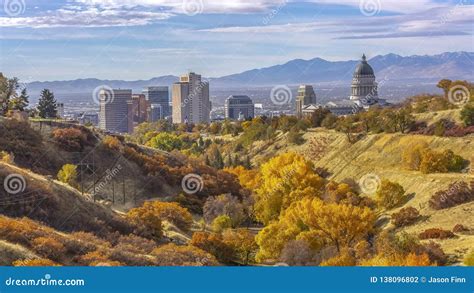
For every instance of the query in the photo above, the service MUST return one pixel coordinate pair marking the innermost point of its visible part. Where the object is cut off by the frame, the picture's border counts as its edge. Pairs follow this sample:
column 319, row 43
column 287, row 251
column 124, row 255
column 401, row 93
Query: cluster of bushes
column 421, row 158
column 405, row 217
column 70, row 139
column 436, row 233
column 456, row 194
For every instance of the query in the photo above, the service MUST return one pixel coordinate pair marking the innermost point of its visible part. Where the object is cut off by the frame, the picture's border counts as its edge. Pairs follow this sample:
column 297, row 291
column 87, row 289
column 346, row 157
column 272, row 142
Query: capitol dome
column 364, row 87
column 364, row 68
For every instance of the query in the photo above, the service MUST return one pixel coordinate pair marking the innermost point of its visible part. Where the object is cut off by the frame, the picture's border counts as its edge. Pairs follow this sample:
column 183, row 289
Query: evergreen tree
column 20, row 103
column 47, row 107
column 247, row 163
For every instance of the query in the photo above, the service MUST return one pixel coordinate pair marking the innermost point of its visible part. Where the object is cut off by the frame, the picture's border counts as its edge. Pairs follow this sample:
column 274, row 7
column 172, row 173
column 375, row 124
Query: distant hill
column 390, row 68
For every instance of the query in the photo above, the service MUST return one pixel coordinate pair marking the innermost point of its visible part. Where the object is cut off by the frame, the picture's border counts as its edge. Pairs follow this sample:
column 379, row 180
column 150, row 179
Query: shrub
column 174, row 255
column 405, row 217
column 48, row 247
column 135, row 244
column 434, row 252
column 111, row 143
column 224, row 204
column 469, row 259
column 68, row 174
column 93, row 258
column 243, row 243
column 221, row 223
column 298, row 253
column 344, row 259
column 390, row 194
column 467, row 114
column 40, row 262
column 130, row 258
column 412, row 156
column 214, row 244
column 436, row 233
column 460, row 228
column 146, row 219
column 417, row 260
column 457, row 193
column 166, row 142
column 174, row 213
column 71, row 139
column 441, row 162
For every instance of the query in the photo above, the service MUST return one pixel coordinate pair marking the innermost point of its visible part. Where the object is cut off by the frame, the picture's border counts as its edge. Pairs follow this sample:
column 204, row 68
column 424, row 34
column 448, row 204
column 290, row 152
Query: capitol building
column 364, row 94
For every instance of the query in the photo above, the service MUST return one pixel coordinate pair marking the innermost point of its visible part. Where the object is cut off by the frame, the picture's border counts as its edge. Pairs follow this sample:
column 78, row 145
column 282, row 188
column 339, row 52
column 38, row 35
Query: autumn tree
column 174, row 255
column 165, row 141
column 224, row 204
column 413, row 155
column 68, row 174
column 171, row 212
column 445, row 85
column 221, row 223
column 147, row 221
column 214, row 244
column 242, row 242
column 390, row 194
column 284, row 179
column 320, row 224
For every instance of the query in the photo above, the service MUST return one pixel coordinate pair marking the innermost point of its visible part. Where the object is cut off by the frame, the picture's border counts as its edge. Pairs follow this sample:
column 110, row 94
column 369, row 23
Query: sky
column 46, row 40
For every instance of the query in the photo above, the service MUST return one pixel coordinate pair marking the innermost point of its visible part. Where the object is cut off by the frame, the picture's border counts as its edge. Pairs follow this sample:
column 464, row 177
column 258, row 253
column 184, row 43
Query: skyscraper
column 113, row 114
column 191, row 100
column 306, row 96
column 159, row 95
column 141, row 108
column 236, row 106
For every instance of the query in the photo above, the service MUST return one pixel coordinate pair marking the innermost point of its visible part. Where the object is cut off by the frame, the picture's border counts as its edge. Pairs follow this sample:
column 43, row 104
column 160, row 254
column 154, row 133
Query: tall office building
column 306, row 97
column 239, row 107
column 141, row 108
column 191, row 100
column 114, row 110
column 159, row 95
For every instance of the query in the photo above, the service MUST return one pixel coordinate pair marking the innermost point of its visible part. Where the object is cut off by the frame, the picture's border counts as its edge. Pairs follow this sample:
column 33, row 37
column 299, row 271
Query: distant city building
column 305, row 98
column 239, row 108
column 159, row 95
column 114, row 110
column 140, row 114
column 155, row 112
column 89, row 118
column 191, row 100
column 60, row 110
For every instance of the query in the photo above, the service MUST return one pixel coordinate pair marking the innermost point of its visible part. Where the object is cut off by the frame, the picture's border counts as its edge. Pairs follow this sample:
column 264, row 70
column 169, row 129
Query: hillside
column 380, row 155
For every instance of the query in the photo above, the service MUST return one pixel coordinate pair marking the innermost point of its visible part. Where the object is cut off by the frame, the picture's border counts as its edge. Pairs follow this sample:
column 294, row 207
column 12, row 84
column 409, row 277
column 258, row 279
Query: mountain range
column 390, row 69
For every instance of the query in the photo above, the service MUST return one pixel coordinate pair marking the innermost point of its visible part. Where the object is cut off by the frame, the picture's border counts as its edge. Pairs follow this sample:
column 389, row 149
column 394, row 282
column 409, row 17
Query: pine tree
column 247, row 163
column 20, row 103
column 47, row 107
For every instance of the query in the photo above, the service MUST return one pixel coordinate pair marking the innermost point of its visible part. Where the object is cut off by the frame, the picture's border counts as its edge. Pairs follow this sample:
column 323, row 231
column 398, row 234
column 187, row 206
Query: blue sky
column 141, row 39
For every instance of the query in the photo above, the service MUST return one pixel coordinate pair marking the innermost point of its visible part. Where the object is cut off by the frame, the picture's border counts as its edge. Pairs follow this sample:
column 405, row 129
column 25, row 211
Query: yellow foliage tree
column 390, row 194
column 284, row 179
column 68, row 174
column 334, row 224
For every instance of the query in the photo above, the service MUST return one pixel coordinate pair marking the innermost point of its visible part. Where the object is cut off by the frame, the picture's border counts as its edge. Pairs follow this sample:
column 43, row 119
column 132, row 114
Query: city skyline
column 95, row 38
